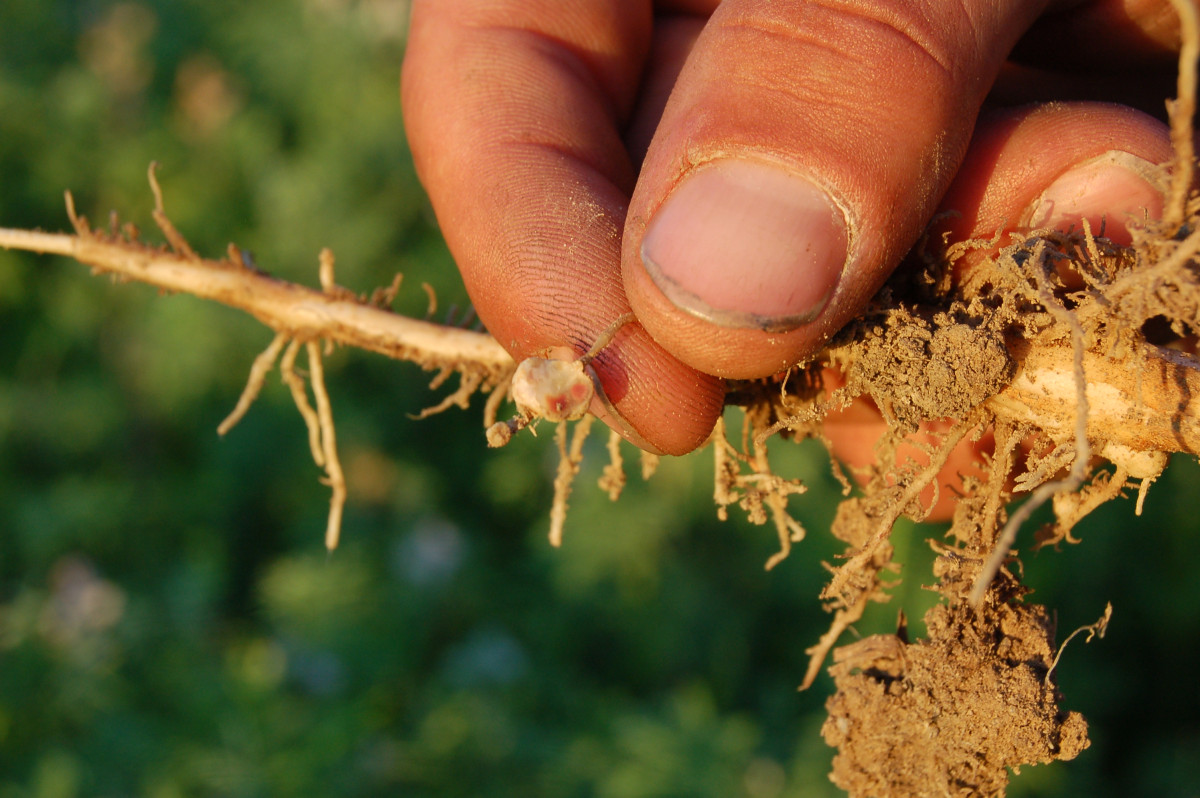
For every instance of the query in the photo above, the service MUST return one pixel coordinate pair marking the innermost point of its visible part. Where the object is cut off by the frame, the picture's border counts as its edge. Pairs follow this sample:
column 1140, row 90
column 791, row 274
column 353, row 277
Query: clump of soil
column 916, row 369
column 949, row 714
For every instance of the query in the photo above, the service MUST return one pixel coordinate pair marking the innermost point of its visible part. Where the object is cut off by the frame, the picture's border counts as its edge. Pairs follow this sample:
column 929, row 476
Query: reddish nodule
column 556, row 390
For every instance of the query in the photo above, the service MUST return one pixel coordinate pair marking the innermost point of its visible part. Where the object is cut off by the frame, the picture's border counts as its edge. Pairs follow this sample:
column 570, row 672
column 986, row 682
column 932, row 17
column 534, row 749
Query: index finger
column 514, row 111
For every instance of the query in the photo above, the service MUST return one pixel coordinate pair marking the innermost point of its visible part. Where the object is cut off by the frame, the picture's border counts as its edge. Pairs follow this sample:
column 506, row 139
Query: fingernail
column 607, row 412
column 1112, row 189
column 747, row 244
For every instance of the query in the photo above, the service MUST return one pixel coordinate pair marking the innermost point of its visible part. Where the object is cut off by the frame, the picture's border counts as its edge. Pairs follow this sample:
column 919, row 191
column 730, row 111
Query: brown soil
column 950, row 714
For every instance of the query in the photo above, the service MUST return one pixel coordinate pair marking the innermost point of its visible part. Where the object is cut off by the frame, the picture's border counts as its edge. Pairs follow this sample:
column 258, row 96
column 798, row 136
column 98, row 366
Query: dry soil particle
column 916, row 371
column 949, row 714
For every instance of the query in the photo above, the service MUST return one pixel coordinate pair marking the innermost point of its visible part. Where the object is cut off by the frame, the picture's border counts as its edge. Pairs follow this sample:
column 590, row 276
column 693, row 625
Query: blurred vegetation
column 170, row 624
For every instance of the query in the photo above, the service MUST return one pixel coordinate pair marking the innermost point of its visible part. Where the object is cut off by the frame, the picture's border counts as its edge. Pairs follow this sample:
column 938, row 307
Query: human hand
column 803, row 148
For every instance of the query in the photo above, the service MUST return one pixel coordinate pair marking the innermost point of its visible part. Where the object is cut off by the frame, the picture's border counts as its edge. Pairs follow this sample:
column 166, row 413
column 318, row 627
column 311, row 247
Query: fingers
column 854, row 433
column 800, row 155
column 1054, row 165
column 514, row 112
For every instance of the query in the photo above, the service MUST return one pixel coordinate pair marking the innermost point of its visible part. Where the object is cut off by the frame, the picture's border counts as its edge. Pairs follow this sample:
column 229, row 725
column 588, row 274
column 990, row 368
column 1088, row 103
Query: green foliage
column 170, row 624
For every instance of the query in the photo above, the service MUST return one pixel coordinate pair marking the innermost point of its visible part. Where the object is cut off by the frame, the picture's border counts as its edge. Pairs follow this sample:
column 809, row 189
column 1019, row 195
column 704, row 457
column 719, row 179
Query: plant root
column 258, row 374
column 1069, row 349
column 745, row 478
column 569, row 459
column 1097, row 629
column 322, row 436
column 1083, row 449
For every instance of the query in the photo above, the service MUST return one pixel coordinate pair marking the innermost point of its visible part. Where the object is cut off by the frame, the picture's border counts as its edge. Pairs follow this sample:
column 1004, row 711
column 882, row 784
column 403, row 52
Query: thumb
column 802, row 151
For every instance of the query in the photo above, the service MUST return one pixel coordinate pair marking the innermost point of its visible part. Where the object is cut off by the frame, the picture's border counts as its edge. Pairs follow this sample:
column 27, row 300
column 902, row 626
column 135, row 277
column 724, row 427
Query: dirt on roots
column 1028, row 338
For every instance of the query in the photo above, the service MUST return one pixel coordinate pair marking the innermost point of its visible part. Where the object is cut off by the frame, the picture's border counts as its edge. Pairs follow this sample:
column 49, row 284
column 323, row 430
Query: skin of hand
column 744, row 175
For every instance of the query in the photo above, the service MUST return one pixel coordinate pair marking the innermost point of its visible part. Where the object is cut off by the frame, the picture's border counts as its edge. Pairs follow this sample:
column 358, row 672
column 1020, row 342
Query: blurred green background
column 170, row 624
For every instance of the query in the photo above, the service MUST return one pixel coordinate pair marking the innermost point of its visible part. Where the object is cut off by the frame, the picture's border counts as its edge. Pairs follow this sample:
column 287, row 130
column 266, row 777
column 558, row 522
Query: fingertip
column 1053, row 165
column 652, row 399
